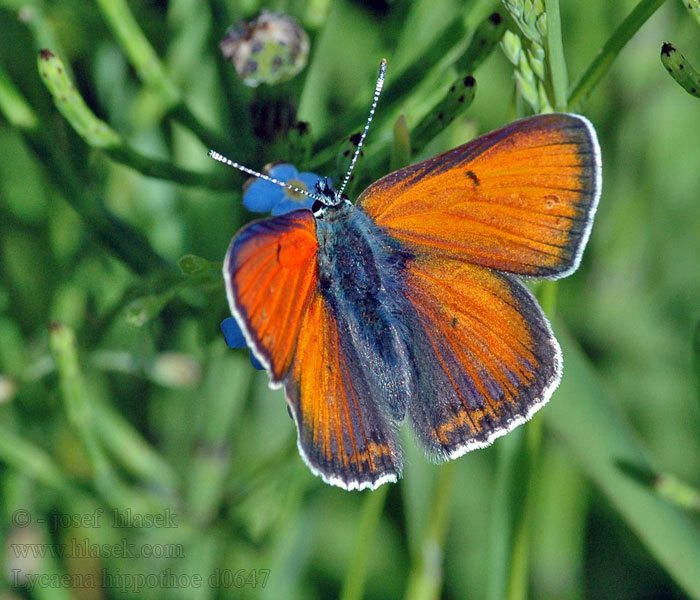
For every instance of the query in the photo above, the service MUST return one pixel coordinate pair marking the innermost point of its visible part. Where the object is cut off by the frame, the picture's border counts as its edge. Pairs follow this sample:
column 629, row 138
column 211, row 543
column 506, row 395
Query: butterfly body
column 360, row 273
column 407, row 305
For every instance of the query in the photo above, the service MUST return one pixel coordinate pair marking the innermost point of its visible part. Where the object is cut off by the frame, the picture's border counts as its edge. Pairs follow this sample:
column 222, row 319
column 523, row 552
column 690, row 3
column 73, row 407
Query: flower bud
column 269, row 49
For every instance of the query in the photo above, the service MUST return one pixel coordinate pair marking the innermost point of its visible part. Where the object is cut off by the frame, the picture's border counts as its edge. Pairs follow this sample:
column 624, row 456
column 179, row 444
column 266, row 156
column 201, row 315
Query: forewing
column 343, row 434
column 486, row 358
column 520, row 199
column 271, row 275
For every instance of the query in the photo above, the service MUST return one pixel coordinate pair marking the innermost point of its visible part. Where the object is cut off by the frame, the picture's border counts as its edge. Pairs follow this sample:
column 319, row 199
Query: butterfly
column 408, row 305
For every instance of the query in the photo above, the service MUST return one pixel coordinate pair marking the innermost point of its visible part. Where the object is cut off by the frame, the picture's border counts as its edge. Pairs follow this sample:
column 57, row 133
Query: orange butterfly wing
column 271, row 275
column 344, row 436
column 520, row 199
column 490, row 359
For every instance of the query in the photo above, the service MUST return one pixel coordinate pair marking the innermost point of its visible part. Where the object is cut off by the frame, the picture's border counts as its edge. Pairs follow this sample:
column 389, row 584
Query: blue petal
column 310, row 180
column 232, row 333
column 288, row 205
column 284, row 172
column 262, row 195
column 255, row 362
column 235, row 339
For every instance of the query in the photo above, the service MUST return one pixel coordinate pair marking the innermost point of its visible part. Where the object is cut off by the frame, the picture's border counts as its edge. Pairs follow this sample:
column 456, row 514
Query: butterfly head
column 326, row 197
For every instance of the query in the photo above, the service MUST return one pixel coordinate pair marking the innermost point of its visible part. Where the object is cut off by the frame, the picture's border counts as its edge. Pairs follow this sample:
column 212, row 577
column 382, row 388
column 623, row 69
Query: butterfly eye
column 317, row 206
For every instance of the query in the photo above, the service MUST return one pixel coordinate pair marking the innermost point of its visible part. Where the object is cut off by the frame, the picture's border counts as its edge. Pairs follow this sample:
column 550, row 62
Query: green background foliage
column 118, row 395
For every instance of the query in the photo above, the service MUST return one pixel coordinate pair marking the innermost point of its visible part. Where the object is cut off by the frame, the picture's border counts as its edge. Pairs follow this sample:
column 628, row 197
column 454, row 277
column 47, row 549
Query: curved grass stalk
column 611, row 49
column 99, row 134
column 151, row 71
column 125, row 242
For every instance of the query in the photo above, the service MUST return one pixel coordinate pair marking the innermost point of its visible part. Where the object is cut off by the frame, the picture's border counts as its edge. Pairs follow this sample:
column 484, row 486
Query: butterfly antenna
column 231, row 163
column 377, row 91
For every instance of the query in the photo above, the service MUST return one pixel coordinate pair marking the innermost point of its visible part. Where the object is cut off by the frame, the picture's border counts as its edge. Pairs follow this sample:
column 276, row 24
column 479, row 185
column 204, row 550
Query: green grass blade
column 604, row 59
column 425, row 580
column 139, row 50
column 356, row 573
column 583, row 417
column 693, row 7
column 130, row 449
column 696, row 358
column 13, row 105
column 78, row 407
column 151, row 70
column 555, row 55
column 31, row 460
column 506, row 506
column 519, row 572
column 222, row 396
column 99, row 134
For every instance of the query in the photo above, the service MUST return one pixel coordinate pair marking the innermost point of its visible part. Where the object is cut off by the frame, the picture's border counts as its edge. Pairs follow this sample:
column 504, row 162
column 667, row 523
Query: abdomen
column 361, row 277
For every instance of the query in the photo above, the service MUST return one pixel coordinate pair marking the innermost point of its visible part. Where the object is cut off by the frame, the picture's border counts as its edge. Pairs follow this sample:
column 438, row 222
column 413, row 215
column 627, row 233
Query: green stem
column 141, row 54
column 455, row 101
column 71, row 105
column 166, row 170
column 515, row 496
column 119, row 238
column 425, row 579
column 547, row 297
column 522, row 532
column 680, row 69
column 13, row 105
column 696, row 357
column 151, row 70
column 611, row 49
column 693, row 7
column 518, row 579
column 99, row 134
column 80, row 415
column 590, row 425
column 32, row 461
column 483, row 43
column 509, row 490
column 356, row 573
column 555, row 54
